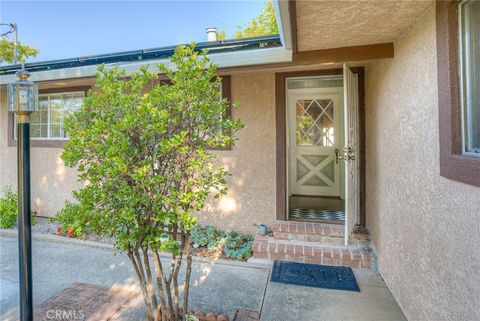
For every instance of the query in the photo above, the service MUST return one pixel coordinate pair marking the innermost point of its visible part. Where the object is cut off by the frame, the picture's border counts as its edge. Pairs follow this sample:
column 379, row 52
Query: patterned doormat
column 311, row 214
column 81, row 301
column 314, row 275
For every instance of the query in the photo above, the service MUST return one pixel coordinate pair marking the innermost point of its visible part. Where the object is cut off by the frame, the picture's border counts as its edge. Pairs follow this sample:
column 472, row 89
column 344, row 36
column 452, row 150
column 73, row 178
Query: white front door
column 350, row 153
column 314, row 122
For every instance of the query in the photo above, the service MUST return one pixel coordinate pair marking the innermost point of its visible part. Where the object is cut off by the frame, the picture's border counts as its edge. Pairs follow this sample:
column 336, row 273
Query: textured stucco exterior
column 324, row 24
column 425, row 228
column 251, row 162
column 251, row 195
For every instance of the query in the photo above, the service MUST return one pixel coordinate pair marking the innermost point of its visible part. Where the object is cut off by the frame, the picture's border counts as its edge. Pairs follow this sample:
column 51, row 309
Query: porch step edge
column 308, row 228
column 318, row 233
column 307, row 243
column 309, row 250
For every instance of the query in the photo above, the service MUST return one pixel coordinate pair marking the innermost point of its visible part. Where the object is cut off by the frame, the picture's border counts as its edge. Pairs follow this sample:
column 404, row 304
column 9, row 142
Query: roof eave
column 222, row 59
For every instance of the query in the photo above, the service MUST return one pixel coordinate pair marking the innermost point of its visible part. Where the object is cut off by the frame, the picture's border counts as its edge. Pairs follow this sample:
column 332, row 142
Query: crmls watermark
column 65, row 315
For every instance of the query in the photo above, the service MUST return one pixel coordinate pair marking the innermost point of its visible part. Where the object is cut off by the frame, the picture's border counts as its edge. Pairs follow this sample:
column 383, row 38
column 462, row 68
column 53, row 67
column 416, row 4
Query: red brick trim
column 273, row 249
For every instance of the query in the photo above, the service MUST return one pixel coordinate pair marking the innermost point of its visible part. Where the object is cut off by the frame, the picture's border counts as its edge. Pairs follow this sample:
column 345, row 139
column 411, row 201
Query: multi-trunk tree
column 142, row 147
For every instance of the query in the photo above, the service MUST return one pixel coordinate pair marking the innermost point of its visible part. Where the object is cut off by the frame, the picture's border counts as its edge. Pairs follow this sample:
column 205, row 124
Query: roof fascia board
column 283, row 21
column 223, row 60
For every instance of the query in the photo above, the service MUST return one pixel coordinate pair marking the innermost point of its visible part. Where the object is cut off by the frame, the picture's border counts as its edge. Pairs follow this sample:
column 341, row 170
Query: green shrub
column 199, row 235
column 8, row 208
column 73, row 223
column 234, row 244
column 238, row 246
column 215, row 237
column 207, row 235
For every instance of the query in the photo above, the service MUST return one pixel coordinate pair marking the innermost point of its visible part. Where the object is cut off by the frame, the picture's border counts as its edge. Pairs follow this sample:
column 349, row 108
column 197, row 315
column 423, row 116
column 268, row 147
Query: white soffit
column 325, row 24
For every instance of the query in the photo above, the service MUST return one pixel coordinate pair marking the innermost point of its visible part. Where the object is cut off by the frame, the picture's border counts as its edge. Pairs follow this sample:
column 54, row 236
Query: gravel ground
column 45, row 226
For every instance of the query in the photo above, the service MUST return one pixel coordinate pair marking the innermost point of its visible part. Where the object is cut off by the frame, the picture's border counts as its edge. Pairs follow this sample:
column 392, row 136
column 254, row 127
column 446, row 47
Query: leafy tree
column 7, row 51
column 263, row 25
column 221, row 34
column 145, row 159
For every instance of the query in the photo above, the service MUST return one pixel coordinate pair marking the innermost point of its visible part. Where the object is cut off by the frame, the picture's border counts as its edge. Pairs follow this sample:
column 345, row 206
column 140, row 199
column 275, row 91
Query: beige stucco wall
column 425, row 228
column 251, row 162
column 251, row 195
column 52, row 182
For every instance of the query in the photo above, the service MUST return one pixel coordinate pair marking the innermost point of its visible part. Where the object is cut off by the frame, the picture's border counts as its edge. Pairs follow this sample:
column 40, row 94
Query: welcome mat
column 85, row 302
column 314, row 275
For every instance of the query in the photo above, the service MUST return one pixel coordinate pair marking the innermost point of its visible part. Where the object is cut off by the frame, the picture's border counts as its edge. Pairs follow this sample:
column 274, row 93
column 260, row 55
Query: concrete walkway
column 373, row 303
column 218, row 286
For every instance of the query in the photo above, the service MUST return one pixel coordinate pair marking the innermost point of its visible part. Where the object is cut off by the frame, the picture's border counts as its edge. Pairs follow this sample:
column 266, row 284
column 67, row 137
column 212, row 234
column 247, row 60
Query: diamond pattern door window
column 315, row 121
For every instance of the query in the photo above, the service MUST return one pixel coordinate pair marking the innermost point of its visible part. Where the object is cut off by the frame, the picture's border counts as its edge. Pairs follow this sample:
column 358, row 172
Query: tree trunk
column 176, row 271
column 188, row 272
column 158, row 275
column 167, row 286
column 165, row 307
column 151, row 285
column 143, row 284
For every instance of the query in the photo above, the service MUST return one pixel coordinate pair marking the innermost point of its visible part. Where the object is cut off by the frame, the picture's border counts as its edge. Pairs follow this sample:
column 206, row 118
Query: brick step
column 319, row 233
column 265, row 247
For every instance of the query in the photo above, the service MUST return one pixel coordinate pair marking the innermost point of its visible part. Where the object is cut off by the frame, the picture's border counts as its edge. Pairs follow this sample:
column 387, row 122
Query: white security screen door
column 350, row 151
column 314, row 125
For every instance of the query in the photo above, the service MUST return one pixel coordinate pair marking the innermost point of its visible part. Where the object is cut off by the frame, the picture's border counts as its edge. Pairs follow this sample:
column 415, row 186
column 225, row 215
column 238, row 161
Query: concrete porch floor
column 285, row 302
column 218, row 286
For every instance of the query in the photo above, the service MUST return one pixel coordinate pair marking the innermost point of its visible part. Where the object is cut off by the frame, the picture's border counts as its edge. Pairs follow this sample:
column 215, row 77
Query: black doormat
column 314, row 275
column 312, row 214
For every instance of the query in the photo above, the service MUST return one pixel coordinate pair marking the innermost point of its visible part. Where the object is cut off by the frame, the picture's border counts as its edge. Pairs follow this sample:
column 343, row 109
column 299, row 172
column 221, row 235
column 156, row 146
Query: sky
column 66, row 29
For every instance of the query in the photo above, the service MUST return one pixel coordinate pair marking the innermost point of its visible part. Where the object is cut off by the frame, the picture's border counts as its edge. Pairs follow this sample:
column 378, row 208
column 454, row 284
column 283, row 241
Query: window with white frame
column 469, row 19
column 48, row 122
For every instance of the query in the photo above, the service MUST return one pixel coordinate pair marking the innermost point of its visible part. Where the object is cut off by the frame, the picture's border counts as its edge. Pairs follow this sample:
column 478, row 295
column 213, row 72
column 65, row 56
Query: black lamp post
column 23, row 100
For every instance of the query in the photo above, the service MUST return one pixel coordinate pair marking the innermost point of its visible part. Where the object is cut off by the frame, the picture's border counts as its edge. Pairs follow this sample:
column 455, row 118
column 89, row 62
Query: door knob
column 347, row 154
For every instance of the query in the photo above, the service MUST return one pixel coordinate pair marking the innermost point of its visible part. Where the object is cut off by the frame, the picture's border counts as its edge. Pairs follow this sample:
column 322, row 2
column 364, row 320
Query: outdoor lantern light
column 23, row 100
column 22, row 95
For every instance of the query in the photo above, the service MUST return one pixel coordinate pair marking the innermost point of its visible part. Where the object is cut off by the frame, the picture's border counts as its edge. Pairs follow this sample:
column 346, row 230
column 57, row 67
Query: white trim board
column 282, row 13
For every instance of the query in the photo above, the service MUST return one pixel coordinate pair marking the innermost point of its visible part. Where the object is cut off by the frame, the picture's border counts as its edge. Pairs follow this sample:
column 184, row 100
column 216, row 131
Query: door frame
column 281, row 152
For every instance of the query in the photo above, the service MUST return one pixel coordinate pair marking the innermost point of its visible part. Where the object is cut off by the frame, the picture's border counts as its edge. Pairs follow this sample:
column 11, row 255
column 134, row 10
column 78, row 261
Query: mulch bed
column 46, row 226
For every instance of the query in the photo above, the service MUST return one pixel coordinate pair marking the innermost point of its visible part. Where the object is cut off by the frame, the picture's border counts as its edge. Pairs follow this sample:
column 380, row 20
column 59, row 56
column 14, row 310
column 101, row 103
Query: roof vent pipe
column 211, row 34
